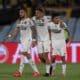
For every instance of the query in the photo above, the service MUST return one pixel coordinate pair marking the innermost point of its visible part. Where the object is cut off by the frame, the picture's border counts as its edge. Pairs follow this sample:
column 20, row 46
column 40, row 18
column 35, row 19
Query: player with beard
column 40, row 21
column 25, row 27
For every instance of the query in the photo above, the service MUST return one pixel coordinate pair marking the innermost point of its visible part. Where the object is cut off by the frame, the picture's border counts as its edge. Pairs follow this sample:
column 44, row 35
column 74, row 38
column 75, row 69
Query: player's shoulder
column 33, row 18
column 27, row 19
column 51, row 22
column 48, row 18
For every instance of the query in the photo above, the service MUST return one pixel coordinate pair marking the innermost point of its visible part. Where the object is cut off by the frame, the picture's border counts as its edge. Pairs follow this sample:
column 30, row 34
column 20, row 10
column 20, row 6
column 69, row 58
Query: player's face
column 56, row 19
column 22, row 13
column 38, row 14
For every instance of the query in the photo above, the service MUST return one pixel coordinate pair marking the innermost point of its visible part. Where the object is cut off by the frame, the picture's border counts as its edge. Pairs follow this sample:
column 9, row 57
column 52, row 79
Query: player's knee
column 24, row 53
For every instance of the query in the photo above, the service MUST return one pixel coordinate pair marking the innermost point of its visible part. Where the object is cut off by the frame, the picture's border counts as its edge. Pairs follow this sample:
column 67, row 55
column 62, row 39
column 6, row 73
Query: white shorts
column 58, row 47
column 26, row 45
column 43, row 46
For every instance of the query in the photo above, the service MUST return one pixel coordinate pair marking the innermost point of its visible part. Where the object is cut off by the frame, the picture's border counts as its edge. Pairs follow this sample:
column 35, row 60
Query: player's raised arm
column 64, row 26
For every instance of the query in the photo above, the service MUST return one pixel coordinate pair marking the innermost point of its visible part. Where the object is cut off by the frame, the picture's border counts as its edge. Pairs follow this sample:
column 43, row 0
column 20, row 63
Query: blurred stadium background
column 70, row 13
column 68, row 9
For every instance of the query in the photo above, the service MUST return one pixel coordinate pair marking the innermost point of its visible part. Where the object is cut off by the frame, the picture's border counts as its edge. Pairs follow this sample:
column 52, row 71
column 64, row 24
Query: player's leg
column 63, row 53
column 21, row 66
column 32, row 64
column 26, row 52
column 53, row 65
column 63, row 66
column 47, row 62
column 54, row 53
column 43, row 57
column 46, row 49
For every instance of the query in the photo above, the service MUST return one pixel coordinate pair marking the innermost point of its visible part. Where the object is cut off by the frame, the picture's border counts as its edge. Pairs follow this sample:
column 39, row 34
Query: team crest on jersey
column 3, row 53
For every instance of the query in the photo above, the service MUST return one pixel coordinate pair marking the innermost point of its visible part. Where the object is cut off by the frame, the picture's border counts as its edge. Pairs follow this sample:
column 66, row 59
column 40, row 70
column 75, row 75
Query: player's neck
column 24, row 18
column 55, row 23
column 40, row 17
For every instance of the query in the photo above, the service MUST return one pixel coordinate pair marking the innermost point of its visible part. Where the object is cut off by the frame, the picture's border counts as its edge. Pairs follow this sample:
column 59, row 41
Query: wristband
column 9, row 35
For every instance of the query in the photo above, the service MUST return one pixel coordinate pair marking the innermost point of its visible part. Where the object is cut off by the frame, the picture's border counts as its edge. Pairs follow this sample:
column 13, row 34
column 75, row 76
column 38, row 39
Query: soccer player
column 56, row 29
column 25, row 26
column 40, row 21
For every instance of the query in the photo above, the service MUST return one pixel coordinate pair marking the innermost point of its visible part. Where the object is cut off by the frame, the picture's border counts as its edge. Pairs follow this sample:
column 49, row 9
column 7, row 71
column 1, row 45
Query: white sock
column 54, row 66
column 47, row 68
column 21, row 67
column 33, row 65
column 64, row 68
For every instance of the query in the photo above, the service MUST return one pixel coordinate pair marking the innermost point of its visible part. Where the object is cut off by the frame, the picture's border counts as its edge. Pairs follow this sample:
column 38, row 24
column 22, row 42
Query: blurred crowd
column 34, row 3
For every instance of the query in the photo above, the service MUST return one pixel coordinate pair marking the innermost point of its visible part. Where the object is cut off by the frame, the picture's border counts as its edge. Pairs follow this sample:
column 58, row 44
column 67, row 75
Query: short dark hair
column 55, row 14
column 41, row 9
column 23, row 8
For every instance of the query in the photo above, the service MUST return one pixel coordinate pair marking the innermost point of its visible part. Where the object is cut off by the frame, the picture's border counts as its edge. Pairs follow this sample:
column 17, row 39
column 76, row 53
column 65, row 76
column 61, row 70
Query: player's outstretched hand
column 6, row 38
column 68, row 41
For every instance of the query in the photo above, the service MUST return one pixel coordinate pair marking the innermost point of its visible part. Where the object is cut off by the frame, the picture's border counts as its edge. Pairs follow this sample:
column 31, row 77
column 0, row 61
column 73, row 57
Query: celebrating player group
column 48, row 32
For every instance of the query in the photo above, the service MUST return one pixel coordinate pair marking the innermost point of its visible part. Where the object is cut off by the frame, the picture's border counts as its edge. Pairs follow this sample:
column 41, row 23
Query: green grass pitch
column 7, row 70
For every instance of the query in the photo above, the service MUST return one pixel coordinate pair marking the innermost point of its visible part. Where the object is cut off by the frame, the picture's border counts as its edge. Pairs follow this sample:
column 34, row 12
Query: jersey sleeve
column 65, row 25
column 49, row 18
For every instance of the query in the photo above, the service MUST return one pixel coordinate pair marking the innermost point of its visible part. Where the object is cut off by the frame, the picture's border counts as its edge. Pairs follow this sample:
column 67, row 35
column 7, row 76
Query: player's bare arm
column 13, row 34
column 62, row 25
column 69, row 38
column 34, row 32
column 49, row 33
column 50, row 37
column 34, row 35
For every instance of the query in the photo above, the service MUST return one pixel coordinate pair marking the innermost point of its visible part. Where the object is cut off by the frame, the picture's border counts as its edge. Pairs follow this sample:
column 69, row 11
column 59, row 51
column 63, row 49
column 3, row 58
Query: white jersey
column 57, row 33
column 42, row 29
column 57, row 39
column 25, row 28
